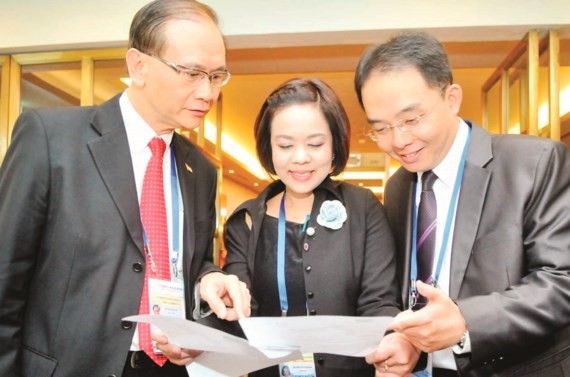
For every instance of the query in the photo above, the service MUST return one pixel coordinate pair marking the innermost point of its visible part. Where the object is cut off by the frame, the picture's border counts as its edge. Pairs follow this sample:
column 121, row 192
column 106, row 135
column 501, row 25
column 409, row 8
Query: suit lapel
column 399, row 205
column 470, row 205
column 112, row 156
column 408, row 191
column 187, row 181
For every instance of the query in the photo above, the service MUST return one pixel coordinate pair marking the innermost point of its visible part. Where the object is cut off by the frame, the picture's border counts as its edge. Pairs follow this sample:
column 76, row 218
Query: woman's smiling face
column 301, row 144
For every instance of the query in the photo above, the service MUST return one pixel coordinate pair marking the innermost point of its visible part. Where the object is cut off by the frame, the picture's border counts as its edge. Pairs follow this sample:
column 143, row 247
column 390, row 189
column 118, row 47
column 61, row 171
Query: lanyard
column 281, row 259
column 281, row 256
column 175, row 213
column 175, row 221
column 446, row 230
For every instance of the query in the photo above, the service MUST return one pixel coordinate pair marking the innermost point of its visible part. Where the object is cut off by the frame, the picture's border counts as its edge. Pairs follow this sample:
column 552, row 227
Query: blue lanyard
column 175, row 220
column 281, row 259
column 175, row 214
column 446, row 230
column 281, row 228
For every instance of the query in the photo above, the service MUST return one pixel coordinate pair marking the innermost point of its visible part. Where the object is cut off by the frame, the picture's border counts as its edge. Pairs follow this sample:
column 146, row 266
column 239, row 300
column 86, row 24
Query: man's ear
column 136, row 65
column 454, row 98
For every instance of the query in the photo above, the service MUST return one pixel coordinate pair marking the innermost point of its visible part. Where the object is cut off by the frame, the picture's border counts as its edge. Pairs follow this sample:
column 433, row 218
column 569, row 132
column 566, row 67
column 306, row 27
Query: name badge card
column 304, row 367
column 166, row 298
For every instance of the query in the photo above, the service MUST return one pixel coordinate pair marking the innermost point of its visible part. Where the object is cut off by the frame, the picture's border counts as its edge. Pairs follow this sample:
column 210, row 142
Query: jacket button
column 126, row 325
column 312, row 312
column 310, row 294
column 306, row 246
column 320, row 361
column 308, row 268
column 310, row 231
column 138, row 267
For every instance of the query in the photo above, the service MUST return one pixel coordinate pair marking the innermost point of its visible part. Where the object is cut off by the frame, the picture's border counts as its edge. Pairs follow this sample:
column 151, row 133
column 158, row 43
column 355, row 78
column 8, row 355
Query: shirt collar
column 139, row 132
column 447, row 169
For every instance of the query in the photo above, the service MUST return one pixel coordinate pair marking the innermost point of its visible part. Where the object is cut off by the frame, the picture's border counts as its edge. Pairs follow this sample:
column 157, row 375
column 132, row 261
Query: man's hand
column 227, row 296
column 176, row 355
column 437, row 326
column 394, row 356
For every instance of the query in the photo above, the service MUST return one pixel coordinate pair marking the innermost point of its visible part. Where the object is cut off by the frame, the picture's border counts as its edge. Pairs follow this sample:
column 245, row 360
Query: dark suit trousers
column 149, row 369
column 438, row 372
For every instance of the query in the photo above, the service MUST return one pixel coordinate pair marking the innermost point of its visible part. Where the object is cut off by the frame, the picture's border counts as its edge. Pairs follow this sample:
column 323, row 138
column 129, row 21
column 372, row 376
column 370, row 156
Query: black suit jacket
column 350, row 271
column 71, row 250
column 510, row 260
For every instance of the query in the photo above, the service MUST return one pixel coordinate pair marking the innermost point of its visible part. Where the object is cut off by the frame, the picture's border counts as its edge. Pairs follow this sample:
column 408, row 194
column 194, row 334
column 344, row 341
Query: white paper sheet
column 215, row 364
column 272, row 340
column 341, row 335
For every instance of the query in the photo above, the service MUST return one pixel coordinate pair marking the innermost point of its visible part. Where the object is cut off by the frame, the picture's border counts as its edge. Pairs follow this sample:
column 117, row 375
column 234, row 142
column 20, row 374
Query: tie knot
column 157, row 146
column 428, row 179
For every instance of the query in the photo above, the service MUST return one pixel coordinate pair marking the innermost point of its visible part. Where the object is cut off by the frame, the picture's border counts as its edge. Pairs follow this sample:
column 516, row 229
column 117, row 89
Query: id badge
column 166, row 298
column 304, row 367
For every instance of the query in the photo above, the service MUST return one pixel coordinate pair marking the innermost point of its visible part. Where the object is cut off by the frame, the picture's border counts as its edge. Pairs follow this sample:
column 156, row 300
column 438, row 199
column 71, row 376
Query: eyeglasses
column 404, row 125
column 193, row 76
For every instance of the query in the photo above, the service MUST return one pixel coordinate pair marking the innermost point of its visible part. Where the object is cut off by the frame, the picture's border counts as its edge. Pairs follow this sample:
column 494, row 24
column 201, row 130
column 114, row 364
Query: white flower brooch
column 332, row 214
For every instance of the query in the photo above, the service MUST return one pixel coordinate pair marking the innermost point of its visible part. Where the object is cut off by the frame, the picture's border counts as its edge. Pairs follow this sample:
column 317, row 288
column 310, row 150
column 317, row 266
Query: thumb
column 401, row 317
column 157, row 335
column 428, row 291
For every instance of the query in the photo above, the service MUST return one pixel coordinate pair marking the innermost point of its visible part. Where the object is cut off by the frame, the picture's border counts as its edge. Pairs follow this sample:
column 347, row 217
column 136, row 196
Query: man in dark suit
column 499, row 293
column 73, row 252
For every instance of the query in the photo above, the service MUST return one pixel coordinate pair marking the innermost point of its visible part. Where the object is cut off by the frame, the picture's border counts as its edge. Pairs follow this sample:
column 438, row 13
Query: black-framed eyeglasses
column 404, row 125
column 194, row 76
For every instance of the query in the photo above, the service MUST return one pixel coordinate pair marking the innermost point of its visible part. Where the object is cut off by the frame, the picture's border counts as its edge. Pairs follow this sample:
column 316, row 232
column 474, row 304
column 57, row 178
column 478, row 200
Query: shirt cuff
column 201, row 308
column 466, row 347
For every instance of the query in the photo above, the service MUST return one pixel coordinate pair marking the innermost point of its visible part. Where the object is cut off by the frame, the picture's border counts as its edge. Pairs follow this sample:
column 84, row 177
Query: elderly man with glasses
column 106, row 210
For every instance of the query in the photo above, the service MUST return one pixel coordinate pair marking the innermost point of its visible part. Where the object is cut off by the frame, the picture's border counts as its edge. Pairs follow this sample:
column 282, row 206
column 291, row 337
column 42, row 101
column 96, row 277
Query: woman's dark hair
column 301, row 91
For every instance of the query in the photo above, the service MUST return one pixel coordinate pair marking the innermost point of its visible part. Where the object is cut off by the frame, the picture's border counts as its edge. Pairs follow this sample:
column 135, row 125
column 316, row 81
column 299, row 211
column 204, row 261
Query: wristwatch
column 462, row 341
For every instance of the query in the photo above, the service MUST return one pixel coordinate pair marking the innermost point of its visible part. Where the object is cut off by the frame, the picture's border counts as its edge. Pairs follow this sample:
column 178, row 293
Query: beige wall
column 34, row 25
column 471, row 80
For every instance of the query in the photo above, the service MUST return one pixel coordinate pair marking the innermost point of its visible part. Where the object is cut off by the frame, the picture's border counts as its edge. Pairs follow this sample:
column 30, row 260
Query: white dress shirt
column 139, row 135
column 446, row 173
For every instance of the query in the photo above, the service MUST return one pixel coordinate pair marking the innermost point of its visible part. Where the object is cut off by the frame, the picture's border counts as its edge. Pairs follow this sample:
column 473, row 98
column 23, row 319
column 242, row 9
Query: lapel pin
column 188, row 167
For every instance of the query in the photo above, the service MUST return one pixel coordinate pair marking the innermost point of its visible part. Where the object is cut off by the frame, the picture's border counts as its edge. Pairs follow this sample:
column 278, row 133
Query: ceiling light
column 234, row 149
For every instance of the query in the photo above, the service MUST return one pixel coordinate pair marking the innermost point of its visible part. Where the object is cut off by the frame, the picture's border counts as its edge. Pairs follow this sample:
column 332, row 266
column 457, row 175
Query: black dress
column 265, row 290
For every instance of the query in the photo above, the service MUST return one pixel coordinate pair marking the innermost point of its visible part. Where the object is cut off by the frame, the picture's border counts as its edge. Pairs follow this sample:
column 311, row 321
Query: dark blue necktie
column 427, row 222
